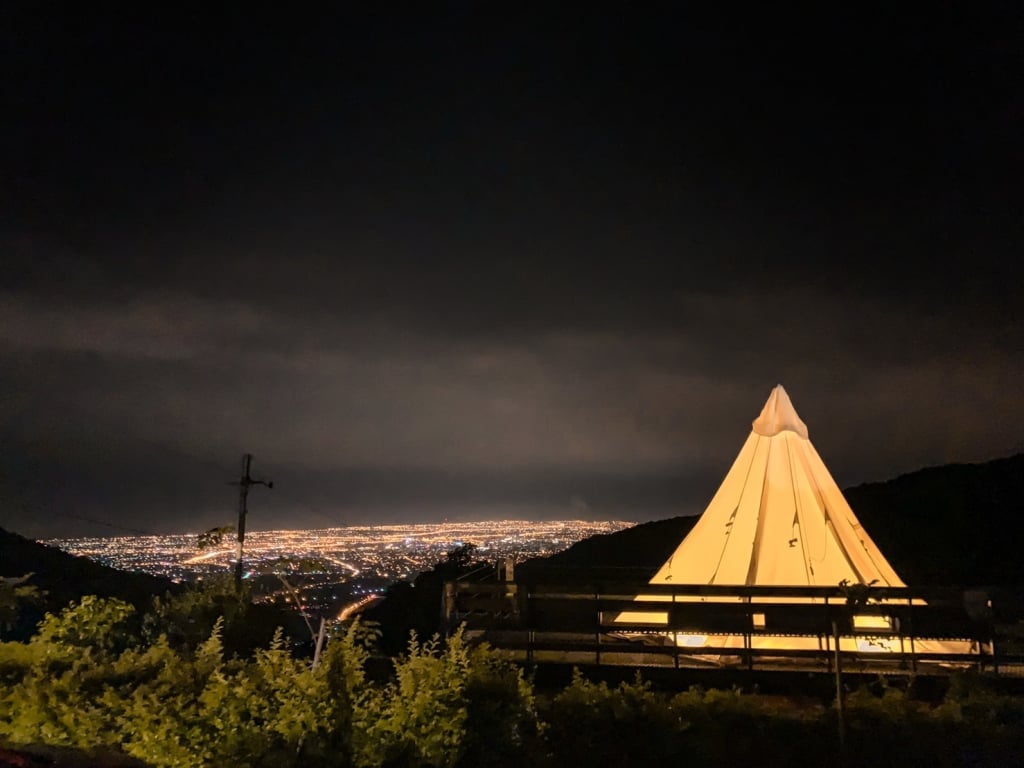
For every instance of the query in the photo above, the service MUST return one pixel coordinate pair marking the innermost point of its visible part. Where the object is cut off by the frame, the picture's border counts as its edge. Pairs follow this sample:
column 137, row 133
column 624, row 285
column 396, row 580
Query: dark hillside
column 953, row 525
column 633, row 554
column 956, row 524
column 64, row 577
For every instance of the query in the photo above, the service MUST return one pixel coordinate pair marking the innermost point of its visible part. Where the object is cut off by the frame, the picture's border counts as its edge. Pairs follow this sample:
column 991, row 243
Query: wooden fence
column 885, row 630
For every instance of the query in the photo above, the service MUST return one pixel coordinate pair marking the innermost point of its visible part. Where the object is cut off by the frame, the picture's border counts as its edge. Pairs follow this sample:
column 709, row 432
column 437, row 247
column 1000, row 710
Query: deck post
column 675, row 633
column 910, row 634
column 828, row 640
column 747, row 639
column 840, row 703
column 899, row 631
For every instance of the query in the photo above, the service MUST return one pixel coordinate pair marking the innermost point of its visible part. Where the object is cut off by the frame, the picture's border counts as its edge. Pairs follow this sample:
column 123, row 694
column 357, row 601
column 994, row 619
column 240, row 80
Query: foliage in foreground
column 85, row 681
column 633, row 725
column 97, row 677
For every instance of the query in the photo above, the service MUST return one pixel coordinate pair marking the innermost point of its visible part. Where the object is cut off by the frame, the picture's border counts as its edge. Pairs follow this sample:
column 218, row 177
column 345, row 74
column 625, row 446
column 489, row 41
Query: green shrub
column 619, row 726
column 72, row 686
column 91, row 678
column 450, row 705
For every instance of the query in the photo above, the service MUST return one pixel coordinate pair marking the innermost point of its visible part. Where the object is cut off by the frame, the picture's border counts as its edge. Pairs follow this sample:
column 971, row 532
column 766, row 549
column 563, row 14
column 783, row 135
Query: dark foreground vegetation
column 165, row 688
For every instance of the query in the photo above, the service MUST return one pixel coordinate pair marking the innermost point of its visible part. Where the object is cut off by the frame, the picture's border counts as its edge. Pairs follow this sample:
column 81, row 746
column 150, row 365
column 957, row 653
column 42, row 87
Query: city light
column 333, row 567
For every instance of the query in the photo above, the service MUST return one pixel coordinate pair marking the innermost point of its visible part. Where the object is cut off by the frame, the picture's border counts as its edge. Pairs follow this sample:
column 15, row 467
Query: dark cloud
column 452, row 265
column 377, row 423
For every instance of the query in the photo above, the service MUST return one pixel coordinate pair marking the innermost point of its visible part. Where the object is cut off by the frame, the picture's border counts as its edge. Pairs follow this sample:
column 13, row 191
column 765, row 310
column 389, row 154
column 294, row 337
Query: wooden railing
column 924, row 630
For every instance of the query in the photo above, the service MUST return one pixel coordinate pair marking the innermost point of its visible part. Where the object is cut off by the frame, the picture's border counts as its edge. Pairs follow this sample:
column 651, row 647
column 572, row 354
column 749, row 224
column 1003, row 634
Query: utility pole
column 243, row 496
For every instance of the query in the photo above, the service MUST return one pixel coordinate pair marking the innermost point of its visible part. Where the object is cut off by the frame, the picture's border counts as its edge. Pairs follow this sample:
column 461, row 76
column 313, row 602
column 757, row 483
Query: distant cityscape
column 331, row 567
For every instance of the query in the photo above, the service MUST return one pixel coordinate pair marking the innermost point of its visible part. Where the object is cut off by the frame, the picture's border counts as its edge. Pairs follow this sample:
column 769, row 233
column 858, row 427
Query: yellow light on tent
column 691, row 641
column 654, row 618
column 863, row 623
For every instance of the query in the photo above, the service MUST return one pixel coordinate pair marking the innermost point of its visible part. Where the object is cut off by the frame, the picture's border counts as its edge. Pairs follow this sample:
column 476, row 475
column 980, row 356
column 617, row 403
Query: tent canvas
column 778, row 519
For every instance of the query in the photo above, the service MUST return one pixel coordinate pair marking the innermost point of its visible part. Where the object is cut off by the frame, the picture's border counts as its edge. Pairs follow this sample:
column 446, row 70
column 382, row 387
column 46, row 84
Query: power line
column 106, row 524
column 40, row 510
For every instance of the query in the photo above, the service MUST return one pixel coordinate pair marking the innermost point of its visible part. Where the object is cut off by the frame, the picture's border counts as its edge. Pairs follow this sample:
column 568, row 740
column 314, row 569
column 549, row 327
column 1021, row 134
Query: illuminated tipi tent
column 778, row 519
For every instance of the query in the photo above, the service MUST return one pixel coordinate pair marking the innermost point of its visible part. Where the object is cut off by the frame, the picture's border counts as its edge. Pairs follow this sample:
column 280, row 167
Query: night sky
column 480, row 260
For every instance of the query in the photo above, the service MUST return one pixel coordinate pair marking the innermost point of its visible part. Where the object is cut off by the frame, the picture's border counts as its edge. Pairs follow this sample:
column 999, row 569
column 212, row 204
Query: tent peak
column 779, row 415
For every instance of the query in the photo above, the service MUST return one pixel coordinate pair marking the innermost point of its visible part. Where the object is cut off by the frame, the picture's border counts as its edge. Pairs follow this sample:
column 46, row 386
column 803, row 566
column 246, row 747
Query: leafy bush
column 625, row 725
column 502, row 726
column 86, row 681
column 98, row 677
column 451, row 705
column 73, row 685
column 973, row 726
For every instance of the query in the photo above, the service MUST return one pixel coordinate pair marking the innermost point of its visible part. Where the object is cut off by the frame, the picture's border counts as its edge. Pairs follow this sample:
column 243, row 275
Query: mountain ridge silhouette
column 947, row 525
